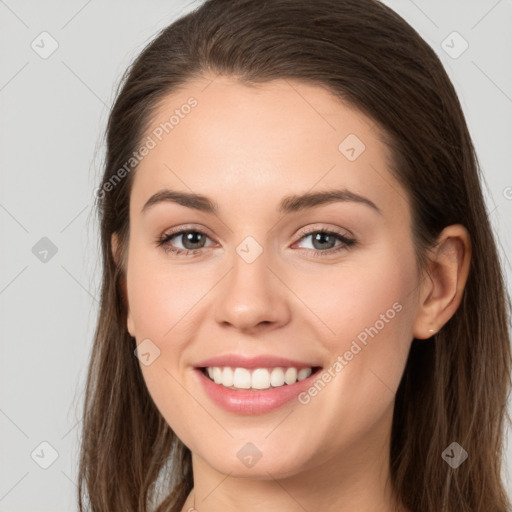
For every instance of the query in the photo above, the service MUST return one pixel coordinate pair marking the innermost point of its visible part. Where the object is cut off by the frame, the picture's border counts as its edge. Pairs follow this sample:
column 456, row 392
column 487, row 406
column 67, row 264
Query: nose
column 253, row 297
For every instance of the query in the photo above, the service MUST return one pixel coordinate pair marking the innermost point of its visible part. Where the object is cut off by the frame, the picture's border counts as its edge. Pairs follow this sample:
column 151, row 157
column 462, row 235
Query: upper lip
column 262, row 361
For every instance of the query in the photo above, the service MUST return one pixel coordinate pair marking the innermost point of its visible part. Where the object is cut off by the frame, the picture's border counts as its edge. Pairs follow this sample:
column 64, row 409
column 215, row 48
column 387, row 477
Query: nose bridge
column 251, row 293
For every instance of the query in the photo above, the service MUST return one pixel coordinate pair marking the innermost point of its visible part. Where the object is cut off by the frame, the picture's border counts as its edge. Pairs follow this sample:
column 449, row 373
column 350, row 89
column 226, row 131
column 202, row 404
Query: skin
column 246, row 148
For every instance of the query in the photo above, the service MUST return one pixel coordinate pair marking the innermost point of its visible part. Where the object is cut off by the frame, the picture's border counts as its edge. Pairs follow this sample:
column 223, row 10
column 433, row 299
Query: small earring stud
column 431, row 330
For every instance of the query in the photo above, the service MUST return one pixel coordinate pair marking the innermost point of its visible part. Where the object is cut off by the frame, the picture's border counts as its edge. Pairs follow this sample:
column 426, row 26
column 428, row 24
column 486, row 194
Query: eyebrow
column 289, row 204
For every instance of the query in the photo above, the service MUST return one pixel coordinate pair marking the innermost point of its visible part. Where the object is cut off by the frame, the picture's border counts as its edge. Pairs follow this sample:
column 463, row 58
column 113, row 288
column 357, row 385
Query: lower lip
column 253, row 402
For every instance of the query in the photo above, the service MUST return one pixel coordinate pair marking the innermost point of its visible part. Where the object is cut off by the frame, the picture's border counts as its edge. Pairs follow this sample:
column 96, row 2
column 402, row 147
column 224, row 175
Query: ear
column 442, row 288
column 114, row 241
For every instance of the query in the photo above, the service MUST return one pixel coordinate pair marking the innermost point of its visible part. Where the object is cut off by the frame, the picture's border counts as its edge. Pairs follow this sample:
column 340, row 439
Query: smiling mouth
column 258, row 379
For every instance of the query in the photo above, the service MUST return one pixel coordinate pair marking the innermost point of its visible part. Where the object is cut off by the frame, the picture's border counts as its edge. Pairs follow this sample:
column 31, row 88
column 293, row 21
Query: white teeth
column 259, row 378
column 227, row 376
column 277, row 377
column 241, row 378
column 290, row 375
column 217, row 375
column 304, row 373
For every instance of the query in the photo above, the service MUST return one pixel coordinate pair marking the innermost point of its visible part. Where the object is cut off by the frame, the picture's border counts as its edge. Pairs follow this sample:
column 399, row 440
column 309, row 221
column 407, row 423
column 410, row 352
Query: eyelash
column 347, row 243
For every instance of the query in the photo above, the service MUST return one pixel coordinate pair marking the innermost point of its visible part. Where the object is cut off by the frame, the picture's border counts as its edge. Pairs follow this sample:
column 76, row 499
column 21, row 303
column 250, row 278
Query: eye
column 324, row 241
column 192, row 239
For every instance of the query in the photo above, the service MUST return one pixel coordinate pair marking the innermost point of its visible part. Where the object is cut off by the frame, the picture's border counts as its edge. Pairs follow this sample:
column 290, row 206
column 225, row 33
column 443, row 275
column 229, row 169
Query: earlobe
column 442, row 289
column 129, row 323
column 129, row 319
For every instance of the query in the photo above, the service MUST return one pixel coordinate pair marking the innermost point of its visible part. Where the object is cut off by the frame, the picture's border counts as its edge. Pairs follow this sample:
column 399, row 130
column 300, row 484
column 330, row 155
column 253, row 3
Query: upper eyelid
column 306, row 230
column 186, row 229
column 318, row 227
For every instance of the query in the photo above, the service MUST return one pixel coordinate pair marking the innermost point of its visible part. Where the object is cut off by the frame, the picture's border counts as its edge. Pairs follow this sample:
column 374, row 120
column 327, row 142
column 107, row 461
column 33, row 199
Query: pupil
column 189, row 237
column 321, row 237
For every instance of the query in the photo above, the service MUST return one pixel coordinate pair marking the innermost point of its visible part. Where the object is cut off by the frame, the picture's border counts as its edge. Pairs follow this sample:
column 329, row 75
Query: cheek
column 365, row 313
column 160, row 295
column 365, row 308
column 353, row 296
column 161, row 300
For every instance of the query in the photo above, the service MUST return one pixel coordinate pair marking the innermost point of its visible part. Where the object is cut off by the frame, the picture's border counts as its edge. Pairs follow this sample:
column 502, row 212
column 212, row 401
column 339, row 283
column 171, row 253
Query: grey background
column 53, row 113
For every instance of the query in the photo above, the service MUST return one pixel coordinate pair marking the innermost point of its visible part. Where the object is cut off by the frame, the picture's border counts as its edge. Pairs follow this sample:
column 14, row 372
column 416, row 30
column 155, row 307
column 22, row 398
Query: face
column 327, row 284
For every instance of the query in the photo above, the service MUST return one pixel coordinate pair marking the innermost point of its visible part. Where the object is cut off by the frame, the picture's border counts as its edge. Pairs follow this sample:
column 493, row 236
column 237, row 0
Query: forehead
column 222, row 138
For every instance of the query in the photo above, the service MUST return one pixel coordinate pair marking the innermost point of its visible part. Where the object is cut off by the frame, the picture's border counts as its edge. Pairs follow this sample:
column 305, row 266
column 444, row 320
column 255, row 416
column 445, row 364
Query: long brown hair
column 455, row 385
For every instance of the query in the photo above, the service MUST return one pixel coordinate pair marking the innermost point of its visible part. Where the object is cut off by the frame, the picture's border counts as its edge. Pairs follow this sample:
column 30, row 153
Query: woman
column 238, row 362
